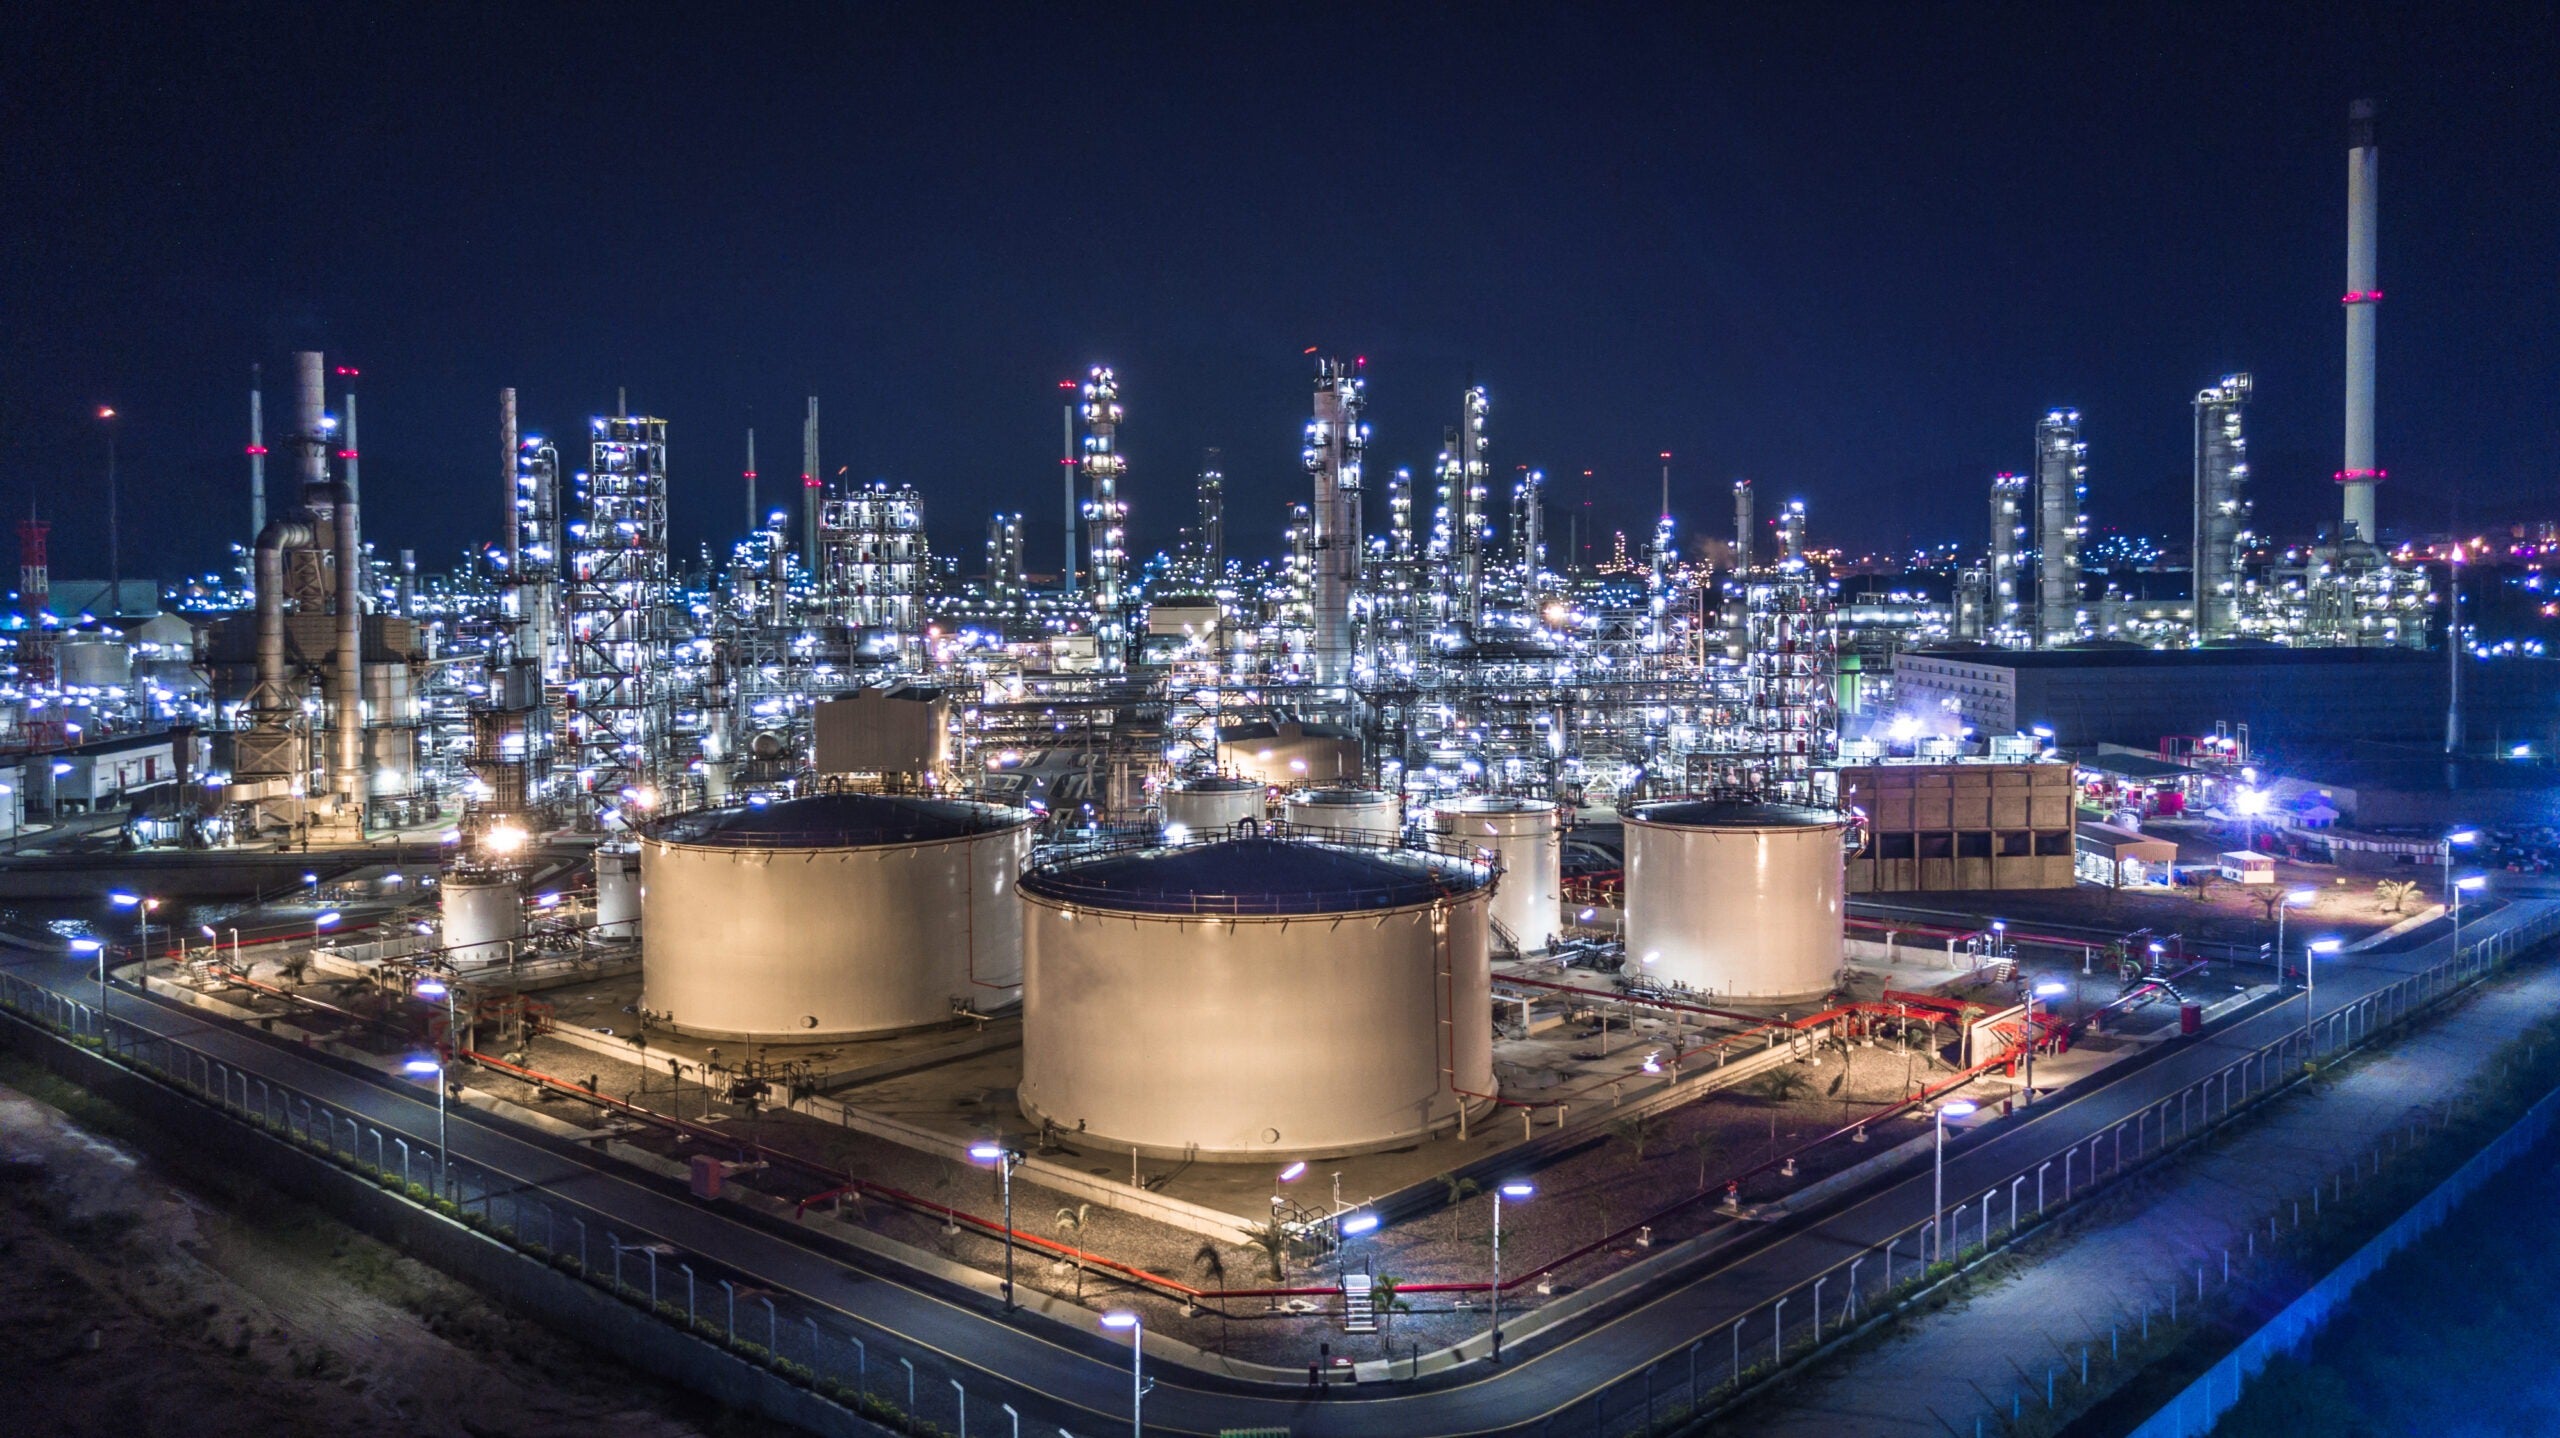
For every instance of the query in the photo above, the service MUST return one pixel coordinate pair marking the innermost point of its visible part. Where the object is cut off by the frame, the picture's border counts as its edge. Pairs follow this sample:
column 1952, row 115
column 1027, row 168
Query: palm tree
column 1386, row 1302
column 1637, row 1132
column 1460, row 1189
column 1272, row 1240
column 1785, row 1082
column 1704, row 1141
column 294, row 965
column 2395, row 894
column 1213, row 1269
column 1071, row 1220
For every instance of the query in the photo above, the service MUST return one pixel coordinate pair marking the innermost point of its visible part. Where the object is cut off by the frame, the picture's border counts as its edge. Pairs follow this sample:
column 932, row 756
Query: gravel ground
column 133, row 1302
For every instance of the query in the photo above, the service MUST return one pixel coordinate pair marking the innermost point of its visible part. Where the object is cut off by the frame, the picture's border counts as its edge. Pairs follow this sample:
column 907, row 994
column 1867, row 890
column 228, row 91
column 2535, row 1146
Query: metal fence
column 857, row 1365
column 1676, row 1391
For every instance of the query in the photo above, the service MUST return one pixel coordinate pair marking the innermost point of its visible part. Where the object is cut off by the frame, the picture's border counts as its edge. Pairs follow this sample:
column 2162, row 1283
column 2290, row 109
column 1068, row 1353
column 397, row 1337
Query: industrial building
column 1959, row 826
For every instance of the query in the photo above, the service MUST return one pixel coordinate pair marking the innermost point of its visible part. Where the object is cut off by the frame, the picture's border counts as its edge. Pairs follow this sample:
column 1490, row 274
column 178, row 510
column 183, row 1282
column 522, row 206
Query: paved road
column 1080, row 1381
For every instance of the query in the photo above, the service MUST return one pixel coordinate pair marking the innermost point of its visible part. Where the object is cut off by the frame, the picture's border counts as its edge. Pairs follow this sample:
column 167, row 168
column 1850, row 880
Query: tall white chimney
column 2364, row 293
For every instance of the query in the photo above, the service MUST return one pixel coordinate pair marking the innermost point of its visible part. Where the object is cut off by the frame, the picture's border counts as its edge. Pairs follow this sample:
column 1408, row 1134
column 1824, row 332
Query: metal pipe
column 348, row 709
column 507, row 474
column 257, row 455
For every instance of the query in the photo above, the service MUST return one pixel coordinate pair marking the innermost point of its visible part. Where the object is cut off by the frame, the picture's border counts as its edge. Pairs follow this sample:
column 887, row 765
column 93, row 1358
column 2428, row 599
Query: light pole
column 1952, row 1108
column 2298, row 896
column 2467, row 884
column 1350, row 1226
column 430, row 1066
column 98, row 947
column 1514, row 1191
column 1138, row 1384
column 115, row 555
column 2048, row 989
column 2310, row 954
column 2465, row 838
column 432, row 987
column 1004, row 1159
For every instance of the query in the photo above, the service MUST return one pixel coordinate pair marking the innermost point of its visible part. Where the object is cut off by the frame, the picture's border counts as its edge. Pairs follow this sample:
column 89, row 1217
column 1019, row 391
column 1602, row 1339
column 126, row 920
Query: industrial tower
column 1335, row 439
column 618, row 592
column 2009, row 500
column 1106, row 518
column 2222, row 507
column 2361, row 473
column 2062, row 473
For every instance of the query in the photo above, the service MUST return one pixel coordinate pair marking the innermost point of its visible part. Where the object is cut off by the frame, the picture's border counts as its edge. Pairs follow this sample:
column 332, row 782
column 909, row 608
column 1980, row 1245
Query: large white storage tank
column 93, row 661
column 482, row 914
column 1734, row 898
column 832, row 916
column 1211, row 804
column 618, row 906
column 1528, row 901
column 1256, row 998
column 1374, row 813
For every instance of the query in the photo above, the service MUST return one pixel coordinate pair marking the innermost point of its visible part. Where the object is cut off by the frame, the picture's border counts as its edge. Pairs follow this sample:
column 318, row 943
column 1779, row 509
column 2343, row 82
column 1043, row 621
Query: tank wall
column 1739, row 913
column 93, row 663
column 1529, row 900
column 746, row 942
column 479, row 918
column 1204, row 810
column 1257, row 1039
column 618, row 890
column 1382, row 818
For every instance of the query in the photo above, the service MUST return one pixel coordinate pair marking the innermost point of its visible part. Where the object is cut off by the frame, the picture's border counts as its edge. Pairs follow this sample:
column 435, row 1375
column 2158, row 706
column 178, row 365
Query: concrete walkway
column 1933, row 1379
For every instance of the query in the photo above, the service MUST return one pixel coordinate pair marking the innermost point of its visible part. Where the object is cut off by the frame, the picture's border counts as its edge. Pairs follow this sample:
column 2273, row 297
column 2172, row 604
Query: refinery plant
column 1268, row 919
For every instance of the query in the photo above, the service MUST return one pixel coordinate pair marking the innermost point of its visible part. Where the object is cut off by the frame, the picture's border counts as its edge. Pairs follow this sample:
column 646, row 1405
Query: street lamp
column 1004, row 1159
column 1515, row 1192
column 2311, row 952
column 2298, row 896
column 319, row 922
column 1350, row 1226
column 98, row 947
column 430, row 1066
column 1952, row 1108
column 432, row 987
column 1138, row 1384
column 2047, row 989
column 2463, row 837
column 2467, row 884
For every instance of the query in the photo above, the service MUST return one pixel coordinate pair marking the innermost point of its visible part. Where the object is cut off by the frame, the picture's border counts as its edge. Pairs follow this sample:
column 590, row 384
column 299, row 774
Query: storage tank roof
column 1731, row 814
column 1255, row 876
column 1495, row 804
column 1216, row 784
column 839, row 821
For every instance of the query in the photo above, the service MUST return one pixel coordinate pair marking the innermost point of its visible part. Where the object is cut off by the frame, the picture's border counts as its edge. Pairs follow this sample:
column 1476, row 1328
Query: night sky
column 1852, row 253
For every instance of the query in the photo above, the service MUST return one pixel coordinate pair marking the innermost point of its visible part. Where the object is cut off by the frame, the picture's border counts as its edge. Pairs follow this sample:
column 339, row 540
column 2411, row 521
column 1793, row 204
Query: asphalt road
column 1080, row 1381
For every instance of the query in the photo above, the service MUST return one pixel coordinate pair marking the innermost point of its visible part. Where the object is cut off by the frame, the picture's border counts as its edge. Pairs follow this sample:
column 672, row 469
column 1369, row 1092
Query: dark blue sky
column 1852, row 252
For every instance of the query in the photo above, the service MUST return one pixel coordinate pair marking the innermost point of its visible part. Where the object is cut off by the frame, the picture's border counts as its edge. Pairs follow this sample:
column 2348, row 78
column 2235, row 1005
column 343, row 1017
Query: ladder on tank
column 1359, row 1314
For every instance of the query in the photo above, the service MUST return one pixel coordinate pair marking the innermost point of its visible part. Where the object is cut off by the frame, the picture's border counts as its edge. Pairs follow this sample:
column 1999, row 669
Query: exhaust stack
column 2364, row 295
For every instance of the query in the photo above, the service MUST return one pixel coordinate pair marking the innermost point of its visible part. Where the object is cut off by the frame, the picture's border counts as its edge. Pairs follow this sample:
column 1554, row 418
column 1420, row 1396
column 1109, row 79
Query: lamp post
column 1350, row 1225
column 1004, row 1159
column 2310, row 954
column 432, row 987
column 443, row 1164
column 1138, row 1384
column 98, row 947
column 1514, row 1191
column 2467, row 884
column 2048, row 989
column 2298, row 896
column 1952, row 1108
column 2465, row 838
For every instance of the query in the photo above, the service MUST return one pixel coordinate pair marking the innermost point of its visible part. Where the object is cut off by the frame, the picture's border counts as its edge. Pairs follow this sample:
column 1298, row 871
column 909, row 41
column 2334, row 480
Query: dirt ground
column 137, row 1302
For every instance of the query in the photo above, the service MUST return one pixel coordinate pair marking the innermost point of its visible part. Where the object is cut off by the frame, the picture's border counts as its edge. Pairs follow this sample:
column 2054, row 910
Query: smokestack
column 2364, row 293
column 811, row 487
column 755, row 521
column 349, row 723
column 507, row 467
column 257, row 455
column 1742, row 524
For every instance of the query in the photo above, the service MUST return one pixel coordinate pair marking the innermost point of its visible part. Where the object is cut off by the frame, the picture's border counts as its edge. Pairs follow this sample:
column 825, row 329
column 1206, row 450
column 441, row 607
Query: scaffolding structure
column 620, row 688
column 1106, row 518
column 2004, row 618
column 873, row 559
column 1336, row 437
column 1791, row 714
column 2062, row 489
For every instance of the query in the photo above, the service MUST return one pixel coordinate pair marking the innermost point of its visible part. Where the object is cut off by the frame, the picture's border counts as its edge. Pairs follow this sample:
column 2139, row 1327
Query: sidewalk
column 1934, row 1378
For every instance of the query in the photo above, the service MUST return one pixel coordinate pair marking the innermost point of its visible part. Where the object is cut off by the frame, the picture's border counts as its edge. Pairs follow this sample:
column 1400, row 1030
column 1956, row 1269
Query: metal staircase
column 1359, row 1315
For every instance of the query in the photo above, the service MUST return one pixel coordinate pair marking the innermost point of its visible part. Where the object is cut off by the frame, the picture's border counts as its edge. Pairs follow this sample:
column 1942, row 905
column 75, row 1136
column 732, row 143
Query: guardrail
column 821, row 1353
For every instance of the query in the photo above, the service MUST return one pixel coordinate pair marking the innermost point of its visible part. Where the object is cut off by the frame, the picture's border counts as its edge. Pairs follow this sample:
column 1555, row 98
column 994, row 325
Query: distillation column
column 1106, row 517
column 2008, row 530
column 2062, row 471
column 1335, row 439
column 2222, row 507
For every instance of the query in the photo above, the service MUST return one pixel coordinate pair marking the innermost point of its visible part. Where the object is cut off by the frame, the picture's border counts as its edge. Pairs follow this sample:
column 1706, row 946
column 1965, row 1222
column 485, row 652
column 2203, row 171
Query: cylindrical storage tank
column 483, row 914
column 618, row 892
column 832, row 916
column 92, row 661
column 1211, row 805
column 1372, row 812
column 1736, row 899
column 1255, row 998
column 1528, row 900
